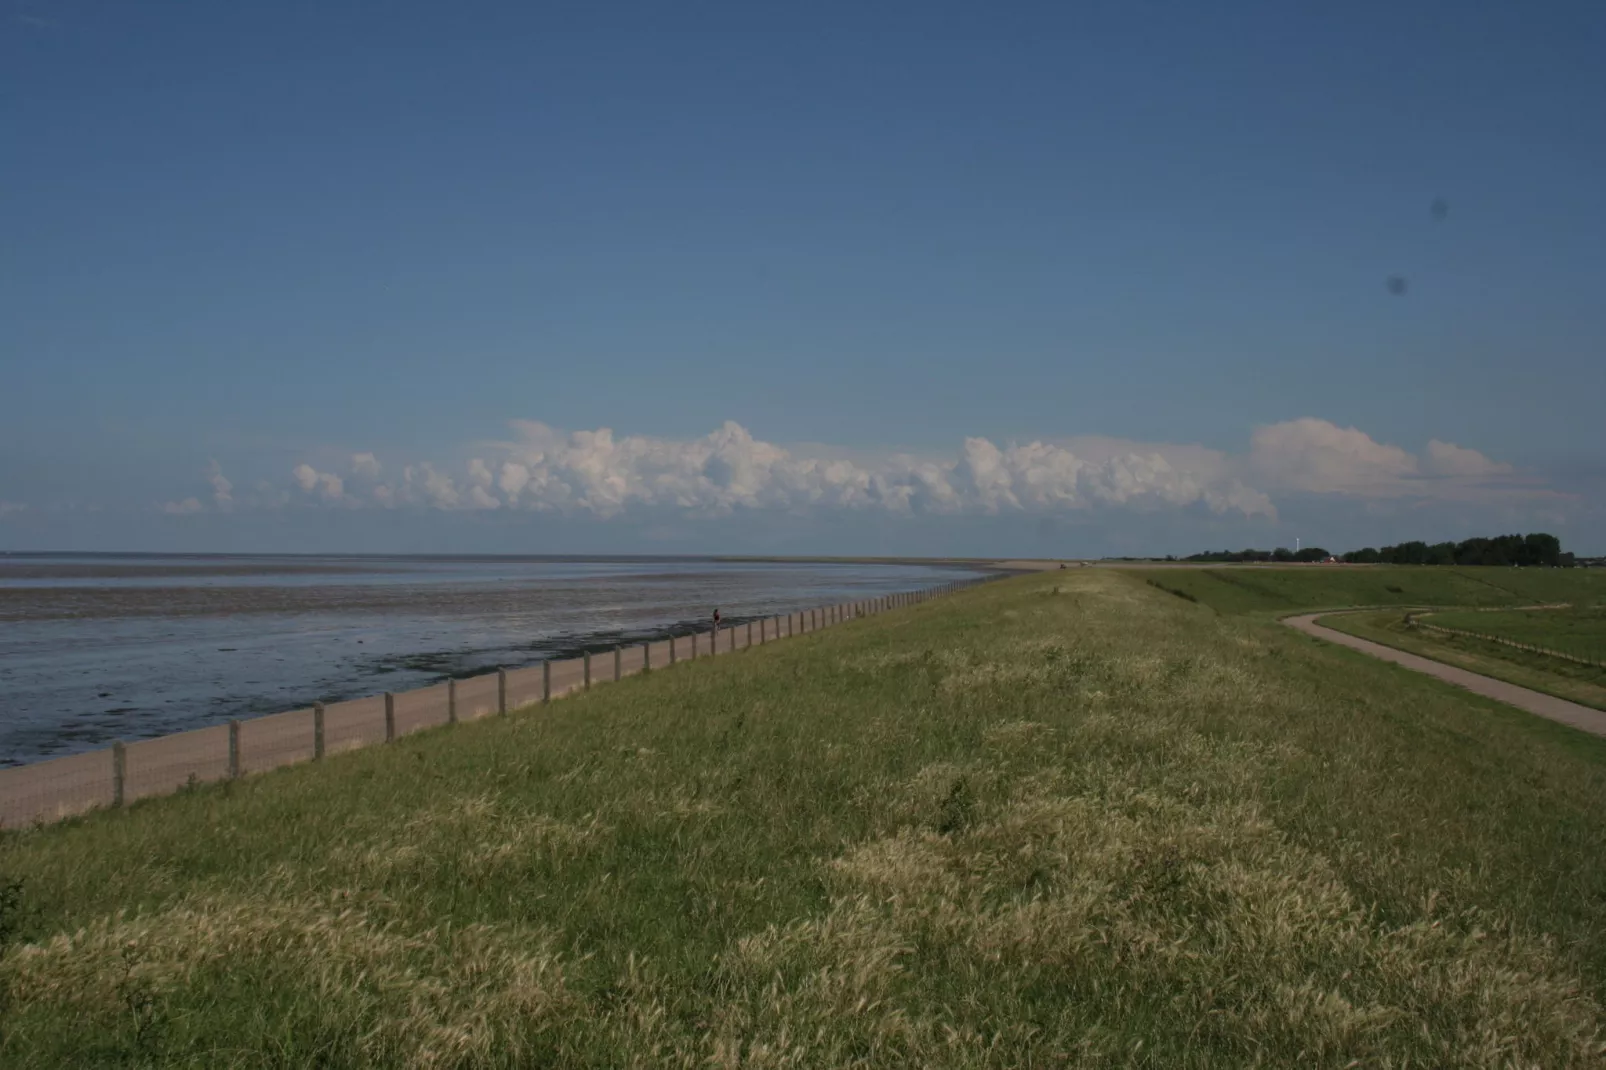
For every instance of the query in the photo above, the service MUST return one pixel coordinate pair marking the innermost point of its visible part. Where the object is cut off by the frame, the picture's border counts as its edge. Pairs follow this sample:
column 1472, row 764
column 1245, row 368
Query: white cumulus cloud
column 222, row 489
column 326, row 485
column 1315, row 456
column 1448, row 459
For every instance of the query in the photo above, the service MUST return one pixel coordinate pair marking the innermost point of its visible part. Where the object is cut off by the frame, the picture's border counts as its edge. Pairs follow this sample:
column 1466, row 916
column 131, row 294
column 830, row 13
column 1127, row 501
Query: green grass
column 1579, row 630
column 1063, row 820
column 1272, row 589
column 1555, row 676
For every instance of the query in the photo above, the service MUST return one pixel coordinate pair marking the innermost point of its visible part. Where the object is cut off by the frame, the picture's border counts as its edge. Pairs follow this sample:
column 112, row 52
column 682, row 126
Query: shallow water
column 96, row 648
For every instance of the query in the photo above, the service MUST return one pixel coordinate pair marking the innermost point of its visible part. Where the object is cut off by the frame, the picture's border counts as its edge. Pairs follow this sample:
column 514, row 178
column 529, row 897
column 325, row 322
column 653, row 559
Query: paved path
column 1557, row 709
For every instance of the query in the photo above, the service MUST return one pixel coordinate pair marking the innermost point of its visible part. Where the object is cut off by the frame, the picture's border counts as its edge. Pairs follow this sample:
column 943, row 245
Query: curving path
column 1536, row 702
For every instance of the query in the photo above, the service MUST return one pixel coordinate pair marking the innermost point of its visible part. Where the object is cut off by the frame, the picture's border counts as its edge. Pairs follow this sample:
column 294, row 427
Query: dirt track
column 1535, row 702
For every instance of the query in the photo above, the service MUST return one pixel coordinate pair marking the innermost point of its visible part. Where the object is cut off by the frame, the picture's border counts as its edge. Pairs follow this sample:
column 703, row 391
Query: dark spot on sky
column 1397, row 285
column 1440, row 209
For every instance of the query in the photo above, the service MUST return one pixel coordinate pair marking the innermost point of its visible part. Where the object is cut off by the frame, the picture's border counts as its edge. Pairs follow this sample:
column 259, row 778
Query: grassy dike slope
column 1063, row 820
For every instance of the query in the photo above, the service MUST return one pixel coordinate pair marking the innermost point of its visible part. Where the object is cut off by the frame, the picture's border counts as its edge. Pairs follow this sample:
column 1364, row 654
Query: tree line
column 1536, row 550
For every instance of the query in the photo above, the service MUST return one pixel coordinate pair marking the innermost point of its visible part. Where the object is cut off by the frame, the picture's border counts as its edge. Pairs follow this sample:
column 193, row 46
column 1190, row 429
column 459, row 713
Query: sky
column 935, row 278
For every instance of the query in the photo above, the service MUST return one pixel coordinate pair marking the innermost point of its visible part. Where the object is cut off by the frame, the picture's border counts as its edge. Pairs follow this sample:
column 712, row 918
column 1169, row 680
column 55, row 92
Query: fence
column 1412, row 621
column 116, row 776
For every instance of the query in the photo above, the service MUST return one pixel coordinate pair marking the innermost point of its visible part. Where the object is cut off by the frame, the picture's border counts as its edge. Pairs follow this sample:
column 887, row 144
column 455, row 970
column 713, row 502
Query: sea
column 100, row 647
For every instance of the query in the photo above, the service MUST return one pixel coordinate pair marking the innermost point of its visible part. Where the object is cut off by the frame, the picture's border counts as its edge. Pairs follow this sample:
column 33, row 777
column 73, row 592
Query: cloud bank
column 601, row 476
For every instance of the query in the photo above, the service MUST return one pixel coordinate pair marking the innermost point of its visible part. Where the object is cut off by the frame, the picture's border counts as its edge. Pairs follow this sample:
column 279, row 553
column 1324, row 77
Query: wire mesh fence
column 50, row 790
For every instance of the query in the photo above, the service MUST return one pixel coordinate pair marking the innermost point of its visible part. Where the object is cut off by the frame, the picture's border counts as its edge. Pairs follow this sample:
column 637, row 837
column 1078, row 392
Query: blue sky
column 1137, row 251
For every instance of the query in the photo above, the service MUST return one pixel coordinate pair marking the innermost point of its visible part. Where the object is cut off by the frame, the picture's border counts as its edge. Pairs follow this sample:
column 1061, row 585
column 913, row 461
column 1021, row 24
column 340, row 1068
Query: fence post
column 451, row 701
column 618, row 663
column 119, row 771
column 671, row 649
column 733, row 639
column 693, row 646
column 234, row 750
column 317, row 730
column 646, row 657
column 546, row 681
column 749, row 633
column 390, row 717
column 588, row 670
column 501, row 690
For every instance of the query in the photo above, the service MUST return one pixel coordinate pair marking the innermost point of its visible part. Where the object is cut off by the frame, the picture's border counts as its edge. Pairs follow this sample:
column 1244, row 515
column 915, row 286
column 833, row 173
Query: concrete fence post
column 119, row 771
column 234, row 750
column 546, row 681
column 501, row 690
column 317, row 730
column 618, row 663
column 588, row 670
column 451, row 701
column 390, row 717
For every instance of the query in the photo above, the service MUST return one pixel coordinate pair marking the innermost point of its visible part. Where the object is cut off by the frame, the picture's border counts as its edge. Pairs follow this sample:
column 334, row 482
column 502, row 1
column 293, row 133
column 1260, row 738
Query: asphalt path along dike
column 1535, row 702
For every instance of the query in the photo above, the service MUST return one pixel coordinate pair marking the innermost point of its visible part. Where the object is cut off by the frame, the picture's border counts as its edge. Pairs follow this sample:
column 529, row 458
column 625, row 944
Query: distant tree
column 1535, row 550
column 1542, row 549
column 1441, row 553
column 1538, row 549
